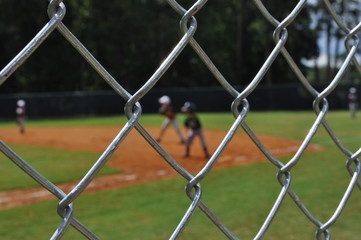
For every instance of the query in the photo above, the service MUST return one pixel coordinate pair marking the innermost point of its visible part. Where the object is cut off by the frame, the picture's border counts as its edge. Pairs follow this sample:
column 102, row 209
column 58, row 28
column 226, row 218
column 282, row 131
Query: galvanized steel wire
column 240, row 107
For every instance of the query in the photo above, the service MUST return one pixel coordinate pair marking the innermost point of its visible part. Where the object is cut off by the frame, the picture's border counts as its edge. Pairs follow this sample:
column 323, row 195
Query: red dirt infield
column 137, row 160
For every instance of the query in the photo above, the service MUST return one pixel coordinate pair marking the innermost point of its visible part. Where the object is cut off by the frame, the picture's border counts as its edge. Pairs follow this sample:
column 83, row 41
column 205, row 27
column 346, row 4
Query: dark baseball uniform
column 194, row 129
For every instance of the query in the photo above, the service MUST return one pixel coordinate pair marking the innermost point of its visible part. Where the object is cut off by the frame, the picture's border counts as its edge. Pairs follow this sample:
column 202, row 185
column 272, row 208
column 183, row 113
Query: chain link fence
column 240, row 108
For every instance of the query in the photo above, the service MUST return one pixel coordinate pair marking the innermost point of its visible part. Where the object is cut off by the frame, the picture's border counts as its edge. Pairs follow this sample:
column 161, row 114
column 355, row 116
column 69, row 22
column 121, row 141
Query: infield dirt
column 137, row 160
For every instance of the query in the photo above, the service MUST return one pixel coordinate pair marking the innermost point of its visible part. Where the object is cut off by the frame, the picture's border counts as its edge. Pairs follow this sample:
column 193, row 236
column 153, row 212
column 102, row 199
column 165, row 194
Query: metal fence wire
column 240, row 108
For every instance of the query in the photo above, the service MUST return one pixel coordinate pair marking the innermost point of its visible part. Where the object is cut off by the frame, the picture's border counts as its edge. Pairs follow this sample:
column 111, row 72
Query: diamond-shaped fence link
column 240, row 108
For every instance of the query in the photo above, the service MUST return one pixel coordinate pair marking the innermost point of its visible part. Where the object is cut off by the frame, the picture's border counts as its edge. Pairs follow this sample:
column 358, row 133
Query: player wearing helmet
column 167, row 110
column 21, row 115
column 194, row 126
column 352, row 101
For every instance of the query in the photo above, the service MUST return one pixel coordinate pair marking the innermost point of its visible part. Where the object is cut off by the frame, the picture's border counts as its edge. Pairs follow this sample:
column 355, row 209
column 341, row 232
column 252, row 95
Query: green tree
column 349, row 12
column 130, row 38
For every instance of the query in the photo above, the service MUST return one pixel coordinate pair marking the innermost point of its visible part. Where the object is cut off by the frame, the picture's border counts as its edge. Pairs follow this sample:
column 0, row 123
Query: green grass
column 241, row 196
column 147, row 119
column 56, row 165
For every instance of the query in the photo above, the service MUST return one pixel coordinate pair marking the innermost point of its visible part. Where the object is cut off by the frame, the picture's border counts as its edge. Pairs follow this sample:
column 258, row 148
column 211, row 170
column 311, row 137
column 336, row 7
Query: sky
column 322, row 59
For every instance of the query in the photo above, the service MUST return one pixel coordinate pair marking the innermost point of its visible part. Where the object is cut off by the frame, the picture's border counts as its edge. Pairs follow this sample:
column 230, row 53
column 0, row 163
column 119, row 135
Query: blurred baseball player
column 168, row 111
column 193, row 124
column 352, row 101
column 21, row 115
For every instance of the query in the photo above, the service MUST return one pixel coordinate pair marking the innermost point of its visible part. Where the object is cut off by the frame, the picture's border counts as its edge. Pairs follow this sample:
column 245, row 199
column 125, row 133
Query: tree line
column 130, row 38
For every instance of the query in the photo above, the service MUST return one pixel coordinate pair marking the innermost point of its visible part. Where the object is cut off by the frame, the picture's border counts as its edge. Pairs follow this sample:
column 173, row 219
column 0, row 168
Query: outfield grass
column 56, row 165
column 241, row 196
